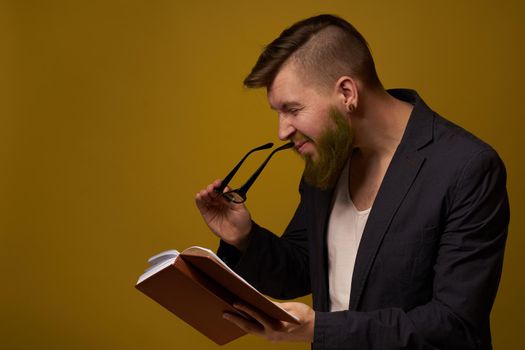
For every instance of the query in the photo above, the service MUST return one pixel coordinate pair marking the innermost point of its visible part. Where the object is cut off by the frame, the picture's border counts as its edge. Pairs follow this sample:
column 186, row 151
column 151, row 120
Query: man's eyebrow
column 285, row 106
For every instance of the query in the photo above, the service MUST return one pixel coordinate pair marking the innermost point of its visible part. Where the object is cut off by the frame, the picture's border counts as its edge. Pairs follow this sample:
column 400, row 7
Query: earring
column 351, row 108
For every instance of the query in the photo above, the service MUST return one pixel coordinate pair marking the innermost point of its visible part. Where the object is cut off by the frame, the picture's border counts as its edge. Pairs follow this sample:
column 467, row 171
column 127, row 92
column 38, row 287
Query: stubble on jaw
column 333, row 149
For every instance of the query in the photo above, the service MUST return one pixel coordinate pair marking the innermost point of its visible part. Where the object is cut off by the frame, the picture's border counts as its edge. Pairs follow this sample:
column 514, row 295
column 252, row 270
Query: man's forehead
column 283, row 98
column 285, row 90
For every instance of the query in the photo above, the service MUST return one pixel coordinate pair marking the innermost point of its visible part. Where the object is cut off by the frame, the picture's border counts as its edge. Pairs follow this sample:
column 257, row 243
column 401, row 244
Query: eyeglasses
column 239, row 195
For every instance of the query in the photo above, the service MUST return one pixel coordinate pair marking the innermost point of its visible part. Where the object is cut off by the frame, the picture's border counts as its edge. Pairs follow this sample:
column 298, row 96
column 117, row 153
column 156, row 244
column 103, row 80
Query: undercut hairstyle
column 324, row 48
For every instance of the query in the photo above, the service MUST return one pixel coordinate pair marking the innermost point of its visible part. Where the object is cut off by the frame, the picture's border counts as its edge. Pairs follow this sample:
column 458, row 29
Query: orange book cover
column 198, row 287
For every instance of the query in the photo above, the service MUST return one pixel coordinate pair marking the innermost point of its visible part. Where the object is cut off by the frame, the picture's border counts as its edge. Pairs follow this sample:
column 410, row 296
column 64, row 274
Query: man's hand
column 229, row 221
column 277, row 331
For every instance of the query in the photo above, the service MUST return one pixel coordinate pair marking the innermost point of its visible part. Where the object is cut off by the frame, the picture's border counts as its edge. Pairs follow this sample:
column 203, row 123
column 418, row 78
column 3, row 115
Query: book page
column 159, row 262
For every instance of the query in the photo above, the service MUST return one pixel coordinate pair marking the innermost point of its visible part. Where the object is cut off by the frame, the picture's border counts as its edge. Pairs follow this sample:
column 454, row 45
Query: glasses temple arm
column 230, row 175
column 244, row 189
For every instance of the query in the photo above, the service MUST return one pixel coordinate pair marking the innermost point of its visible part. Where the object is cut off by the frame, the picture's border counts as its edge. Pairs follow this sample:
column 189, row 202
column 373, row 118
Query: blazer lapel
column 401, row 173
column 396, row 184
column 321, row 208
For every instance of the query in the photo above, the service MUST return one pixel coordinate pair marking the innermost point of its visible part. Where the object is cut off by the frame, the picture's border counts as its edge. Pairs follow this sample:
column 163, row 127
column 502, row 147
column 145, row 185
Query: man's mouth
column 299, row 146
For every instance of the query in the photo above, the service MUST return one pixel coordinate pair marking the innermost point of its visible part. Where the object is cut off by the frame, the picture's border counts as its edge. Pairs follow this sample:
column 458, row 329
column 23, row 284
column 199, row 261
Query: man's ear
column 348, row 93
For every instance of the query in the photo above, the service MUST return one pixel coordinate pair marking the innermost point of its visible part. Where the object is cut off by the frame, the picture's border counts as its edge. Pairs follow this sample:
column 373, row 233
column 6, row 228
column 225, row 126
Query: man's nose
column 286, row 129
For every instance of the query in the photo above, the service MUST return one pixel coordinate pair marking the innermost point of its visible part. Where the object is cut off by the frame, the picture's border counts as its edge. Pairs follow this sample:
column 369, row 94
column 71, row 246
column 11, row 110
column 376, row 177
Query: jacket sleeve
column 276, row 266
column 466, row 277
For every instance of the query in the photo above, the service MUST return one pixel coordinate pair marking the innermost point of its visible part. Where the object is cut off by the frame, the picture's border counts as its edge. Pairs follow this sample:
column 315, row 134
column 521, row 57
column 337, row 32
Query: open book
column 198, row 287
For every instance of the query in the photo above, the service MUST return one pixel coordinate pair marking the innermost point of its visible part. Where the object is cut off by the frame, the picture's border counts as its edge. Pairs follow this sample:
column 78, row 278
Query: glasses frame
column 238, row 195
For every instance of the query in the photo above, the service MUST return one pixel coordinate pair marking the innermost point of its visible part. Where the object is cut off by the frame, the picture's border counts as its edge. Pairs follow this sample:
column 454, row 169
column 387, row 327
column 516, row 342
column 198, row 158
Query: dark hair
column 326, row 47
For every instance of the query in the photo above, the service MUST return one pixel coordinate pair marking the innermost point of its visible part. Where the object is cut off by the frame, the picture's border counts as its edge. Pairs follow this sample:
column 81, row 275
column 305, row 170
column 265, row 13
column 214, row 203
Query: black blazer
column 430, row 258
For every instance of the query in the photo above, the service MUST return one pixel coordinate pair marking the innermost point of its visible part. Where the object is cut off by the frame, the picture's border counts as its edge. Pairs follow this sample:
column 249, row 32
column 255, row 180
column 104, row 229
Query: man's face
column 308, row 116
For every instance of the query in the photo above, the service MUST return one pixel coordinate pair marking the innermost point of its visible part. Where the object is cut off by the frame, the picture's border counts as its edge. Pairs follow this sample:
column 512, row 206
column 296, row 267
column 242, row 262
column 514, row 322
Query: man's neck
column 380, row 125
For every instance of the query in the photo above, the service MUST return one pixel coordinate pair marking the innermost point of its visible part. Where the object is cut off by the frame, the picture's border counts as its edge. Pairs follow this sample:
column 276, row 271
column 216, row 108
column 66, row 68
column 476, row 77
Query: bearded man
column 402, row 223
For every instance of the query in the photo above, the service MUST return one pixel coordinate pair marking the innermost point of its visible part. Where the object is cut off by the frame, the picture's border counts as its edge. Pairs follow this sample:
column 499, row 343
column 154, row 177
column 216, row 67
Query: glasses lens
column 234, row 197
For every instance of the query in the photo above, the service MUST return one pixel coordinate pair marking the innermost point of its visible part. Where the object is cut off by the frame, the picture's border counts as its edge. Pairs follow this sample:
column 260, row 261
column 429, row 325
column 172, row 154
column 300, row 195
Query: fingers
column 216, row 183
column 244, row 324
column 271, row 329
column 265, row 321
column 208, row 195
column 290, row 307
column 287, row 306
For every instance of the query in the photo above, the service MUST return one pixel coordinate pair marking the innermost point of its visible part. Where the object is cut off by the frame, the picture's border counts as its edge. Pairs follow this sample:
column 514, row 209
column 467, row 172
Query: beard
column 333, row 148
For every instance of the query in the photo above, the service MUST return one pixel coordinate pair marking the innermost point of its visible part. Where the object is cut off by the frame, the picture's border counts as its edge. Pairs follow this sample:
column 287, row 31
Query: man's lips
column 299, row 145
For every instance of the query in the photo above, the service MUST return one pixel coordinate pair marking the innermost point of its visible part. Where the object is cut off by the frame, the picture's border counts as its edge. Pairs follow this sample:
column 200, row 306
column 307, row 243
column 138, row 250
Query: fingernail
column 226, row 316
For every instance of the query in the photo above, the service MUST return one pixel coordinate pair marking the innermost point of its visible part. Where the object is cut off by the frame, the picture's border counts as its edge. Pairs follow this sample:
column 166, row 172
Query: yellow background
column 114, row 113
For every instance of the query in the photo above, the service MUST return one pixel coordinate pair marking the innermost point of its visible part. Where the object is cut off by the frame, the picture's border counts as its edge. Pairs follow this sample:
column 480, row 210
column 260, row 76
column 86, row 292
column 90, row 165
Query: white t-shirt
column 345, row 229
